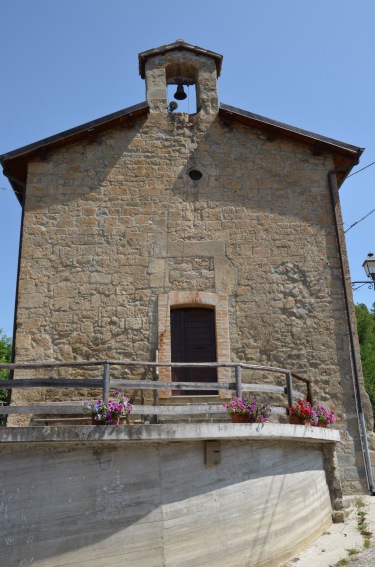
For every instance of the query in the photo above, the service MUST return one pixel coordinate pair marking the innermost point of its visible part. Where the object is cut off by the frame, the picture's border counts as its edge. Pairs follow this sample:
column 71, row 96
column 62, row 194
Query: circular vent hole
column 195, row 175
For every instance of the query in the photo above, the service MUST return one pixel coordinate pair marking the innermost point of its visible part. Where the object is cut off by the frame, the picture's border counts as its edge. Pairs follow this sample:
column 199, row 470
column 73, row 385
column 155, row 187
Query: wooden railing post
column 105, row 382
column 238, row 381
column 309, row 393
column 289, row 388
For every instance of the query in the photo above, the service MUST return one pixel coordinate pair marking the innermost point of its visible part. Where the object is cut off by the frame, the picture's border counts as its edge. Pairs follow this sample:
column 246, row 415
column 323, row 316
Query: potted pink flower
column 244, row 410
column 325, row 417
column 110, row 412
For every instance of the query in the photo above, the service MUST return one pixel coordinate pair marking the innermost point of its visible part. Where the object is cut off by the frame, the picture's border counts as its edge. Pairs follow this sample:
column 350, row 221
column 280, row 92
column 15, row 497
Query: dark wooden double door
column 193, row 340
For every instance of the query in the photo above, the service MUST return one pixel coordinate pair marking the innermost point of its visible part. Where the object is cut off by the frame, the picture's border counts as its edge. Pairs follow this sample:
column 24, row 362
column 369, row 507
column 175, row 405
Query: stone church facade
column 146, row 211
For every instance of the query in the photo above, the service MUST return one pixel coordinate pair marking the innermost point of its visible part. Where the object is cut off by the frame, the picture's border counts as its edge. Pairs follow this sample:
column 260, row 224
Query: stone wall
column 111, row 226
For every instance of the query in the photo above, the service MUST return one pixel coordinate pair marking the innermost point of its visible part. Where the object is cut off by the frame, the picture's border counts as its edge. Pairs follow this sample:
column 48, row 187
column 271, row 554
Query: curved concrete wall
column 139, row 504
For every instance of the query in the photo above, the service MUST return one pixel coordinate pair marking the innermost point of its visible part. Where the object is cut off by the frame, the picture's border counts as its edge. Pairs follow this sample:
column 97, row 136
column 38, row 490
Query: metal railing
column 106, row 383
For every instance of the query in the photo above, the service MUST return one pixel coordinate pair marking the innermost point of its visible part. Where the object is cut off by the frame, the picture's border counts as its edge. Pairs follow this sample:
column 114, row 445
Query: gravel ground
column 366, row 559
column 332, row 546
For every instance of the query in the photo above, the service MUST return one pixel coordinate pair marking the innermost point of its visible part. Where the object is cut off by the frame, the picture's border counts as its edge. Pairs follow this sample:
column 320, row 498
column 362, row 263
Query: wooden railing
column 106, row 383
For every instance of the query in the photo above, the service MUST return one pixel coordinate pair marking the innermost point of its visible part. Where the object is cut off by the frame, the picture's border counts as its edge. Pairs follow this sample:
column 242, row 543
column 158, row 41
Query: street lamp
column 369, row 267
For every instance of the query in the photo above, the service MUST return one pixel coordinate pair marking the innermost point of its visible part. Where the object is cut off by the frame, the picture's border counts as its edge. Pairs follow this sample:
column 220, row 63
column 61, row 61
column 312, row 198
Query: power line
column 360, row 220
column 351, row 175
column 10, row 190
column 356, row 288
column 366, row 166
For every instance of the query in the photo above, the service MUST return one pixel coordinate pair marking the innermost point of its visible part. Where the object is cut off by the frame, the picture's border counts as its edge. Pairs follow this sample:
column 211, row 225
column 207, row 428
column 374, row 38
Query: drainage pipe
column 353, row 353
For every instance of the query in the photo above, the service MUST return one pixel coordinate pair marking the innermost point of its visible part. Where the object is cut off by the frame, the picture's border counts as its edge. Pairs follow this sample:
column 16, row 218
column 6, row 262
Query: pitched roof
column 344, row 155
column 15, row 162
column 178, row 45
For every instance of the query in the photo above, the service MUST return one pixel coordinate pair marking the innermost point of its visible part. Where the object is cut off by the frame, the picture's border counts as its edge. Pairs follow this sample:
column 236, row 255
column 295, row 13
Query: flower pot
column 322, row 424
column 295, row 420
column 95, row 421
column 115, row 421
column 239, row 418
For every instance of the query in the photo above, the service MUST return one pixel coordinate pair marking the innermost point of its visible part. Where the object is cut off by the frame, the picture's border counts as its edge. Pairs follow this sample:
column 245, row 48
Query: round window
column 195, row 175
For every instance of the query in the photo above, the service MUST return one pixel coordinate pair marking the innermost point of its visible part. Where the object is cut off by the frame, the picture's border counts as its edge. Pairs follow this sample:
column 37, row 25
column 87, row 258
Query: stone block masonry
column 112, row 226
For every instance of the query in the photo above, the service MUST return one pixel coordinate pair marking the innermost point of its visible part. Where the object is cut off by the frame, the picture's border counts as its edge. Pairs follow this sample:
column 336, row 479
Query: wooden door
column 193, row 340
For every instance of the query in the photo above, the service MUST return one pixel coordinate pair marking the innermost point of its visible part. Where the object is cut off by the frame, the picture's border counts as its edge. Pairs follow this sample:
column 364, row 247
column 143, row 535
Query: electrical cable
column 366, row 166
column 356, row 288
column 360, row 220
column 10, row 190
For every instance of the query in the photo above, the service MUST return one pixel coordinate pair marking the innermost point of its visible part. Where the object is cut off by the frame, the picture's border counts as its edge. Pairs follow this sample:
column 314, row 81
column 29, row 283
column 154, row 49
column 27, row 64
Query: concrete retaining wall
column 155, row 504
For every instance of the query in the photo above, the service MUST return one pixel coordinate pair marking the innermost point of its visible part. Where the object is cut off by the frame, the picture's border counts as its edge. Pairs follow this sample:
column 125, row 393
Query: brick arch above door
column 175, row 299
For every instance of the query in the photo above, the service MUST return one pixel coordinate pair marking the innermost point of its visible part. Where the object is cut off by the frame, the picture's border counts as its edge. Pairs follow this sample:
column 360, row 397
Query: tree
column 5, row 356
column 366, row 335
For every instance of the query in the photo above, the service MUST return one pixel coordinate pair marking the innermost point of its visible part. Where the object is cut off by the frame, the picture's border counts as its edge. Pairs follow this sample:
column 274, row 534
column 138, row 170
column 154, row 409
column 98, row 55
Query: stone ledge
column 169, row 432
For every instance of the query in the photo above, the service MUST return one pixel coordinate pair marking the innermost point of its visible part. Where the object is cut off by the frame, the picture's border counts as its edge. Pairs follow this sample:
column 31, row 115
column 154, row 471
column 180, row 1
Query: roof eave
column 15, row 162
column 178, row 45
column 344, row 155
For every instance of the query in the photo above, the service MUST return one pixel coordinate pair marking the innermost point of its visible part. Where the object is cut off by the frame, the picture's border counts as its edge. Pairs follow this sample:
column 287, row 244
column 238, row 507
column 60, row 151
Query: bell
column 180, row 94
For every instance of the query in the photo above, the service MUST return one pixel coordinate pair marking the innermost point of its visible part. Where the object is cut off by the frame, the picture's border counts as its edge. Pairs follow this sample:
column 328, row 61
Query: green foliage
column 5, row 356
column 362, row 527
column 365, row 324
column 366, row 334
column 360, row 504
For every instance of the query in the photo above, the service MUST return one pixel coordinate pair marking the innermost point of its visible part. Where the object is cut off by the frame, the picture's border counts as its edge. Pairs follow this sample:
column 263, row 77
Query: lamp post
column 369, row 267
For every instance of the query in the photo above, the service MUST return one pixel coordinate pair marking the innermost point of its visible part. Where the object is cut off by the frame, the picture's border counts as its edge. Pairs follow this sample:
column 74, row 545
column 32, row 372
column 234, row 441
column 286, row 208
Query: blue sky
column 309, row 64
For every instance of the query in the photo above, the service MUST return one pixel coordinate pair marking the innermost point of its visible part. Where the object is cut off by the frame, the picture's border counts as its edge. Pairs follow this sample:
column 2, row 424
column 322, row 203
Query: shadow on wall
column 139, row 504
column 96, row 211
